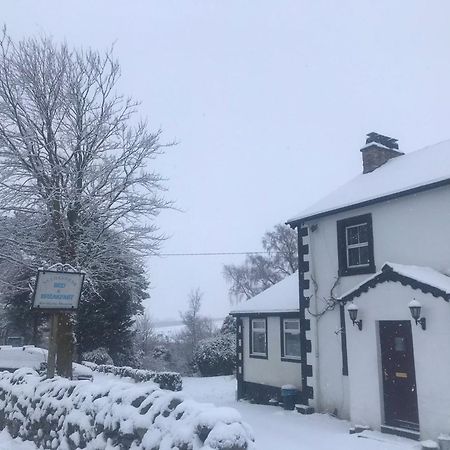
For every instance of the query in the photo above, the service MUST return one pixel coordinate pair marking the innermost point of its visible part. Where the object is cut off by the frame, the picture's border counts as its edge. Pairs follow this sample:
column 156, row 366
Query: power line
column 215, row 253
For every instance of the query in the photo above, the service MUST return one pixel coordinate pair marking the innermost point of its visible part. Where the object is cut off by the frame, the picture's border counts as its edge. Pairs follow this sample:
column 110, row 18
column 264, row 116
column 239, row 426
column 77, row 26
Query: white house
column 268, row 340
column 380, row 243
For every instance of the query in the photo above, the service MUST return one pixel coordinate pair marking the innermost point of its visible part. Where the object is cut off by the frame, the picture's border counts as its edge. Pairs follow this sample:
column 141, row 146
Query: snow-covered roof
column 426, row 279
column 399, row 176
column 279, row 298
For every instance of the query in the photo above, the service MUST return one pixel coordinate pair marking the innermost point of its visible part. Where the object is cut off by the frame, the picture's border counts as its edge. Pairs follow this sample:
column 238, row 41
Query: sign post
column 57, row 291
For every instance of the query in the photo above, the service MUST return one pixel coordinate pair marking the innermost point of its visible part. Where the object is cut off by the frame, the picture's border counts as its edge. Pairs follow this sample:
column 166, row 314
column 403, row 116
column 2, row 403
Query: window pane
column 292, row 344
column 353, row 256
column 363, row 233
column 260, row 324
column 259, row 342
column 364, row 255
column 352, row 235
column 291, row 325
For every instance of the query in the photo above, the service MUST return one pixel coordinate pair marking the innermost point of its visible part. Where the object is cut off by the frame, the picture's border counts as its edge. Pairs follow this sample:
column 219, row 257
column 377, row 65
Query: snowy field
column 275, row 428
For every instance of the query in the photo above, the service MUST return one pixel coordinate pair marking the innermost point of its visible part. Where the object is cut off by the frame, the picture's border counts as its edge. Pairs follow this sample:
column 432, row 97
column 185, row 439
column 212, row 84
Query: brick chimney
column 378, row 150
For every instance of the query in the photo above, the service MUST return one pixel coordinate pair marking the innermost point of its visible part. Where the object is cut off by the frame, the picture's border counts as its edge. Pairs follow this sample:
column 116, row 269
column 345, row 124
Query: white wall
column 389, row 301
column 271, row 371
column 410, row 230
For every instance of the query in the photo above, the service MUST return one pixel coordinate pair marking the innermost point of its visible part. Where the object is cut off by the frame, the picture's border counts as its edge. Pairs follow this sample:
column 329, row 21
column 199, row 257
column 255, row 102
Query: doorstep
column 403, row 432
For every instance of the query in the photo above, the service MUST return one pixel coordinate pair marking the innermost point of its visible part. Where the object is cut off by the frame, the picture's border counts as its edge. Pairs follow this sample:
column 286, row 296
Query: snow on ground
column 8, row 443
column 275, row 428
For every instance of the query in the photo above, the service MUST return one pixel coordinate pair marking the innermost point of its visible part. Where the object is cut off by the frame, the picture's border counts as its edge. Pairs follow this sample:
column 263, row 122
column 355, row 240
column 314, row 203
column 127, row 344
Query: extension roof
column 419, row 170
column 279, row 298
column 425, row 279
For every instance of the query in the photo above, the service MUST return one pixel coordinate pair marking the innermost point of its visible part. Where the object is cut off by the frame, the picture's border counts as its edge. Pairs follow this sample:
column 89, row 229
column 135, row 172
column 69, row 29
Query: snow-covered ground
column 8, row 443
column 275, row 428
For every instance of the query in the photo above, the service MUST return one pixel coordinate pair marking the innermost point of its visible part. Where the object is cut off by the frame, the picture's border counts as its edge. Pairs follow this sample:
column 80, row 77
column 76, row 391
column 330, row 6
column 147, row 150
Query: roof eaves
column 424, row 187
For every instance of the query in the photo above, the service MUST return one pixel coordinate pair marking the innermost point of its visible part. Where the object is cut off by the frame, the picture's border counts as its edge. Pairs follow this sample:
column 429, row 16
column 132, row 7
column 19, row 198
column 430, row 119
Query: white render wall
column 389, row 301
column 410, row 230
column 271, row 371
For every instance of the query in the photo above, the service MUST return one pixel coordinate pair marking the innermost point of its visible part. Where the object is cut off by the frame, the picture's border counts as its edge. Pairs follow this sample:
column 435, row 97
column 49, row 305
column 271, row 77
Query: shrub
column 166, row 380
column 216, row 355
column 66, row 414
column 98, row 356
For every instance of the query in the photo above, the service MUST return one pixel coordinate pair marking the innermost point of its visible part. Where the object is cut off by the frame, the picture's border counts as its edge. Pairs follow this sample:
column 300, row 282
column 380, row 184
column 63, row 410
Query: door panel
column 399, row 377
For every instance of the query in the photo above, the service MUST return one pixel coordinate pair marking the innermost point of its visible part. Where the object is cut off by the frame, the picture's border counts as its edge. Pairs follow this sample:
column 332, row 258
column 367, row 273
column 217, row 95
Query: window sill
column 292, row 360
column 258, row 356
column 347, row 272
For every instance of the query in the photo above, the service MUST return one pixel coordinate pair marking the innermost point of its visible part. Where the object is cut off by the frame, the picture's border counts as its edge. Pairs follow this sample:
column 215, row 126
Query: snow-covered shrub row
column 216, row 355
column 113, row 414
column 166, row 380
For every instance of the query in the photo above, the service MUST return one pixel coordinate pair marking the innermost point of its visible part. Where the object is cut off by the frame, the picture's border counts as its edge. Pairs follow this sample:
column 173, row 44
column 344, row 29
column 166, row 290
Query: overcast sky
column 269, row 100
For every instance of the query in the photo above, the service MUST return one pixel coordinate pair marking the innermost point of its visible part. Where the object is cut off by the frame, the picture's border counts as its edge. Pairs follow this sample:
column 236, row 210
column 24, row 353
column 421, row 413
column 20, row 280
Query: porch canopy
column 425, row 279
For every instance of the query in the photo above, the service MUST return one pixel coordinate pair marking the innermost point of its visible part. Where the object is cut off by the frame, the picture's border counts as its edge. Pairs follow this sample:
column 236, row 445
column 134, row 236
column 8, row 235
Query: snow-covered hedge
column 113, row 414
column 166, row 380
column 216, row 355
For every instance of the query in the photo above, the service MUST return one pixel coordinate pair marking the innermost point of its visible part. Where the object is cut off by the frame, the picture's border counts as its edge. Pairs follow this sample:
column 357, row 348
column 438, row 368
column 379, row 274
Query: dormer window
column 355, row 245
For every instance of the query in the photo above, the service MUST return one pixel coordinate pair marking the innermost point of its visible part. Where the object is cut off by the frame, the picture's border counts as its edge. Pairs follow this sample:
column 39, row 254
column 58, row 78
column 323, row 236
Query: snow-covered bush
column 67, row 415
column 98, row 356
column 216, row 355
column 166, row 380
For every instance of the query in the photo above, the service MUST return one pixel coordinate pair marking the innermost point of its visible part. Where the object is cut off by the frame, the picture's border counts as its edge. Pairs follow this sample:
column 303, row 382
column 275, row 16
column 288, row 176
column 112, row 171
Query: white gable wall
column 271, row 371
column 414, row 229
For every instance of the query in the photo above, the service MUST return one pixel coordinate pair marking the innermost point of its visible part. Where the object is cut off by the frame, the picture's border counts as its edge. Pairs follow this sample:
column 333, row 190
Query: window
column 290, row 339
column 355, row 245
column 258, row 338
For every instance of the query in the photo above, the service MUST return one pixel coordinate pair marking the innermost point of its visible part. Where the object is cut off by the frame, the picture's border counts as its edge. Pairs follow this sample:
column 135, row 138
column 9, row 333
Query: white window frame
column 259, row 329
column 285, row 354
column 358, row 245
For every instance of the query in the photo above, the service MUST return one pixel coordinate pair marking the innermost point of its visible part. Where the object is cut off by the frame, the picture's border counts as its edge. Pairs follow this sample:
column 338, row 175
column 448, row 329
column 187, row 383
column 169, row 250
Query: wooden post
column 65, row 345
column 52, row 346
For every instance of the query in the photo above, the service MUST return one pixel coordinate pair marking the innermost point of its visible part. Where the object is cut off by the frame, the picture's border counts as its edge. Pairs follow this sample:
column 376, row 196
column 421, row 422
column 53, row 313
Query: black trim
column 341, row 226
column 298, row 222
column 388, row 274
column 263, row 393
column 305, row 343
column 250, row 329
column 239, row 356
column 343, row 341
column 256, row 315
column 283, row 356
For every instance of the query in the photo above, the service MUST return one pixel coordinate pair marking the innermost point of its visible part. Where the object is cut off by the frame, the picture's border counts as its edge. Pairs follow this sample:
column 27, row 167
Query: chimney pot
column 378, row 150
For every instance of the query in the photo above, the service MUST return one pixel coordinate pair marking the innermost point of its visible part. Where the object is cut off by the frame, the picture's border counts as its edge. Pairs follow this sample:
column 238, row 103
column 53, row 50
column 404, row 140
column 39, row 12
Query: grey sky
column 270, row 102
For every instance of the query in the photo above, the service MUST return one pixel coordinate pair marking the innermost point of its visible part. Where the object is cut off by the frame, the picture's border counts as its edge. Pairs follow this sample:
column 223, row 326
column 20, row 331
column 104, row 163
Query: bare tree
column 75, row 178
column 197, row 327
column 259, row 272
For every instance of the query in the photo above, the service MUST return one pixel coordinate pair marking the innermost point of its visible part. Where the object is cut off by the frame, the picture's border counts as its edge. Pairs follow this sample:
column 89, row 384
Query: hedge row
column 166, row 380
column 113, row 414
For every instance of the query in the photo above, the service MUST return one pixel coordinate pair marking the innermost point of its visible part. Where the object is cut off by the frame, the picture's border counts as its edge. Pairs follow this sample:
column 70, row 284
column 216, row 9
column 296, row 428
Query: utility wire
column 215, row 253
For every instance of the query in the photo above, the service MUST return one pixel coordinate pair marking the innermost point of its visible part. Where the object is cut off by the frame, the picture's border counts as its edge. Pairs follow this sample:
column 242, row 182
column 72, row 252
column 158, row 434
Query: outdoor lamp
column 415, row 308
column 353, row 312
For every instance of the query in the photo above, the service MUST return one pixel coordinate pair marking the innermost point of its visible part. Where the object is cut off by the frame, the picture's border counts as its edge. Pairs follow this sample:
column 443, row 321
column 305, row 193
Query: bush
column 216, row 355
column 66, row 414
column 98, row 356
column 166, row 380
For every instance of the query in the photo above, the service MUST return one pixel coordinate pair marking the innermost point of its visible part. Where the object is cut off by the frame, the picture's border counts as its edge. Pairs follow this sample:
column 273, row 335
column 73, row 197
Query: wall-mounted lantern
column 353, row 313
column 415, row 307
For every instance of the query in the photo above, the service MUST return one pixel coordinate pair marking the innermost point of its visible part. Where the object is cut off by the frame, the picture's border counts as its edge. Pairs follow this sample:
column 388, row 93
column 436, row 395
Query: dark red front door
column 399, row 376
